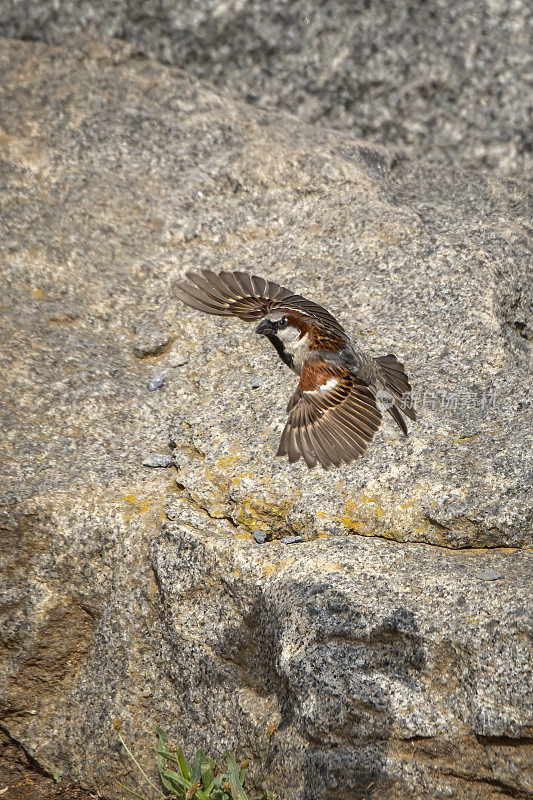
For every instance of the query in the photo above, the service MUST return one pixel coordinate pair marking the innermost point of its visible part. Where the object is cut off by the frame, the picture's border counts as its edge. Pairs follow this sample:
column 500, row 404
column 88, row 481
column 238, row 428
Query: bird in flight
column 336, row 408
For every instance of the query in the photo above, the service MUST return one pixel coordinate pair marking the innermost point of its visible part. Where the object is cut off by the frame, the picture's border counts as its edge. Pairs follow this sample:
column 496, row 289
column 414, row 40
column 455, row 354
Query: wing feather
column 329, row 421
column 249, row 297
column 190, row 297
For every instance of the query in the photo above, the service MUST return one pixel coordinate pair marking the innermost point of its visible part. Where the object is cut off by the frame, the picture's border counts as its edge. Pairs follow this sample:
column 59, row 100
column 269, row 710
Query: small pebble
column 292, row 539
column 151, row 343
column 489, row 575
column 177, row 360
column 256, row 383
column 157, row 460
column 156, row 381
column 259, row 536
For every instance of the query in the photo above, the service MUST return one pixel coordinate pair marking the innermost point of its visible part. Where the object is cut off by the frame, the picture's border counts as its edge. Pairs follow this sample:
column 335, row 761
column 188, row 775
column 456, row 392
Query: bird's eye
column 283, row 322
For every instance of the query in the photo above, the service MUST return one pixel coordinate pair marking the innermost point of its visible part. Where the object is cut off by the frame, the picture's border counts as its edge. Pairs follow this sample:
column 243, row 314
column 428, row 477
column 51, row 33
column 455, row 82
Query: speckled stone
column 156, row 381
column 365, row 657
column 151, row 343
column 437, row 79
column 157, row 460
column 374, row 663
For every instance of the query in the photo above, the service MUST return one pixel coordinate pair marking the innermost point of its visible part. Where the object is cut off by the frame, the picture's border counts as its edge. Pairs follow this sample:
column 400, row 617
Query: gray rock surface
column 447, row 79
column 340, row 665
column 381, row 669
column 150, row 338
column 157, row 460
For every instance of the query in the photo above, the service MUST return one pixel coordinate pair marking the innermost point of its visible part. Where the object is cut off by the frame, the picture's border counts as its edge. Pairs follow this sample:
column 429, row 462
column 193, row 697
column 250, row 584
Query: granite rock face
column 364, row 669
column 450, row 80
column 339, row 663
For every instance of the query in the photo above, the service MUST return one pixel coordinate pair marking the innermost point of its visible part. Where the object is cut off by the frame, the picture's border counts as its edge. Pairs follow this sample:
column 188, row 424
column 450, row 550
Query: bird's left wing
column 247, row 297
column 332, row 416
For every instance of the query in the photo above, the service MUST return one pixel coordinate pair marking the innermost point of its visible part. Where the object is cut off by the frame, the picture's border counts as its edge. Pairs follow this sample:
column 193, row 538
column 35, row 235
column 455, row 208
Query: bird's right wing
column 247, row 297
column 332, row 416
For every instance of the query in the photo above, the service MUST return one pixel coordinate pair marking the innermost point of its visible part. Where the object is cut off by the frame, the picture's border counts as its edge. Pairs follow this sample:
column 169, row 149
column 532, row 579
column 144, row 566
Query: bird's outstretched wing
column 248, row 297
column 332, row 416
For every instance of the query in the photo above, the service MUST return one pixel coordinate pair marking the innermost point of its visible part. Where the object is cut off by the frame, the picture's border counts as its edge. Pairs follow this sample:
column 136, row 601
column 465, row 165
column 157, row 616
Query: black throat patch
column 280, row 349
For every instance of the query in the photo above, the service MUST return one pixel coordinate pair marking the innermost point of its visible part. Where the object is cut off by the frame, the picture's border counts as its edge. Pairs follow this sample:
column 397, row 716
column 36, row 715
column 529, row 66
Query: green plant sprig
column 196, row 781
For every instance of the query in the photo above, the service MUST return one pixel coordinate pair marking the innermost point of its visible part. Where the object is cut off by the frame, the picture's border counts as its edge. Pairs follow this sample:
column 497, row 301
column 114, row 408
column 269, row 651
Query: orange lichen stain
column 236, row 573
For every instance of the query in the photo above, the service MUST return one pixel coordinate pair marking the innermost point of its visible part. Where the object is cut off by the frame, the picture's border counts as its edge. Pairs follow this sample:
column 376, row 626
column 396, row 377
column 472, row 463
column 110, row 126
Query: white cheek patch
column 324, row 388
column 288, row 334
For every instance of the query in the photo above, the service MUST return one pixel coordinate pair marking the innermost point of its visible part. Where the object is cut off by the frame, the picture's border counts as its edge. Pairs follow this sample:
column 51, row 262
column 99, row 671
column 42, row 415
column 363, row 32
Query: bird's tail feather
column 396, row 381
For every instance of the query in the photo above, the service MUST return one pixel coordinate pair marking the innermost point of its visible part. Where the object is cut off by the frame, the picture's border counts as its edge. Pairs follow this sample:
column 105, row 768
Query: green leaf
column 179, row 782
column 162, row 758
column 218, row 794
column 185, row 769
column 162, row 736
column 168, row 755
column 208, row 775
column 197, row 766
column 237, row 791
column 179, row 759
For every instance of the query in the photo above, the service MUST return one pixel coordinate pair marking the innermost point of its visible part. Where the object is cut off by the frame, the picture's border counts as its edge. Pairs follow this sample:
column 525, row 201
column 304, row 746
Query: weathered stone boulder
column 342, row 664
column 439, row 79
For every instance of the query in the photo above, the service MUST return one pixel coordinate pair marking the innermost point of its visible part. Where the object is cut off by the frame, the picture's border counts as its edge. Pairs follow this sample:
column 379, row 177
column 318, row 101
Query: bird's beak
column 265, row 327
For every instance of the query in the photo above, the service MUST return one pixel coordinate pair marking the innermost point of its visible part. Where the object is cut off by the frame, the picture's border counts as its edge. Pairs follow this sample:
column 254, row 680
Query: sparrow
column 336, row 408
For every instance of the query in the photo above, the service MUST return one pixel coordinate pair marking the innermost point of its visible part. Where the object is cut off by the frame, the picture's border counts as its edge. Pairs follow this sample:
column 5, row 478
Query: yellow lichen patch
column 409, row 503
column 348, row 517
column 369, row 498
column 225, row 461
column 269, row 568
column 331, row 566
column 140, row 506
column 261, row 514
column 238, row 478
column 391, row 536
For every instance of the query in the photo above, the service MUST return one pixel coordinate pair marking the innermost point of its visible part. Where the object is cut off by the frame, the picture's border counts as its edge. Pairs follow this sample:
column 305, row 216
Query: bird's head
column 286, row 327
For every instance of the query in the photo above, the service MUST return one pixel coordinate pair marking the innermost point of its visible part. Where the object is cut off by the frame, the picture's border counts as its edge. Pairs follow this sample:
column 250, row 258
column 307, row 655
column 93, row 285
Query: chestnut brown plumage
column 336, row 409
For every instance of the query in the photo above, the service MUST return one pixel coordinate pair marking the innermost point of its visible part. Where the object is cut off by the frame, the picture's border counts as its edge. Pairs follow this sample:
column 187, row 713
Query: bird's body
column 337, row 406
